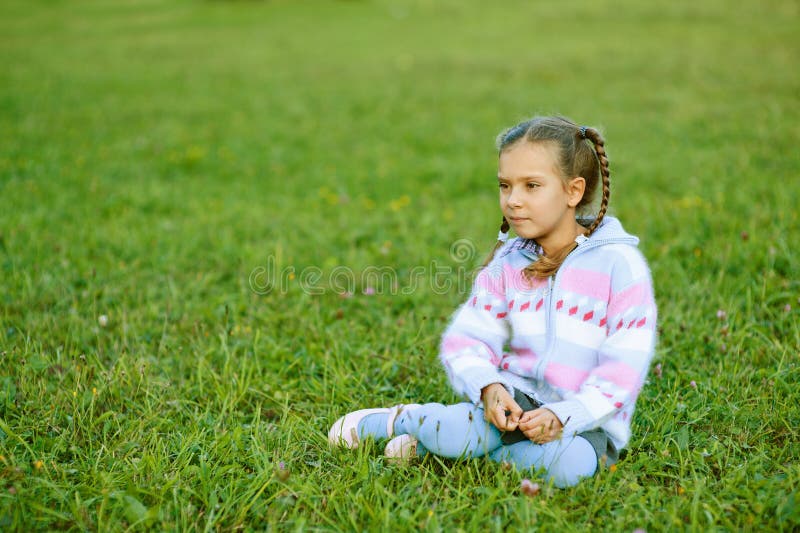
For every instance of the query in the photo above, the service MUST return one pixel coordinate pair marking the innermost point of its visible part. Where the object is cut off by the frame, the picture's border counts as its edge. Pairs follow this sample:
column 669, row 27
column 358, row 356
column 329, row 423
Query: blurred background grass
column 153, row 154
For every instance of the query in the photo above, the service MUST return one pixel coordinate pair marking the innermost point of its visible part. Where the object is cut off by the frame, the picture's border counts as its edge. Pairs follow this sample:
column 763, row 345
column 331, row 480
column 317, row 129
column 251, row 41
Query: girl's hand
column 499, row 408
column 541, row 425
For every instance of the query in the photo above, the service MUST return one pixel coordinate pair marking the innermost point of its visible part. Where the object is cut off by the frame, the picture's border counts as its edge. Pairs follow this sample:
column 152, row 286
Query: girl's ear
column 575, row 190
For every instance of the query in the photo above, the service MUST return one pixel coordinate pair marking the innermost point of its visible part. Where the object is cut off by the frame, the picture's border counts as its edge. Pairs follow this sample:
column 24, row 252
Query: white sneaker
column 402, row 448
column 344, row 431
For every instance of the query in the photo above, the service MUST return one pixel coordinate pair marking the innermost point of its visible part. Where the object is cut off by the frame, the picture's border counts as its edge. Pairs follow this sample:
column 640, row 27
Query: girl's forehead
column 526, row 158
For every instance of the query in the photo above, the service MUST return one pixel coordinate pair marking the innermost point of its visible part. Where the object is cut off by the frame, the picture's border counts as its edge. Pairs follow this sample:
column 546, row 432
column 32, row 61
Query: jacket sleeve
column 611, row 388
column 472, row 345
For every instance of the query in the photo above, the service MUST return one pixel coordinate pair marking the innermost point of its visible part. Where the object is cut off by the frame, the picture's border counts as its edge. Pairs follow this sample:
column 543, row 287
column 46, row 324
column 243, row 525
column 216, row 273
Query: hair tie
column 502, row 236
column 583, row 132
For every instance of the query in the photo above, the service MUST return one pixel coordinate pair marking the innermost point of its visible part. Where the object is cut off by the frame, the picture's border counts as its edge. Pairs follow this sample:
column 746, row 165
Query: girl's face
column 534, row 197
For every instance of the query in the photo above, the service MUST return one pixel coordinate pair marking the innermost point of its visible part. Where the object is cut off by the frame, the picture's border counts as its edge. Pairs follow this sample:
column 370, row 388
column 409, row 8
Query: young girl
column 556, row 338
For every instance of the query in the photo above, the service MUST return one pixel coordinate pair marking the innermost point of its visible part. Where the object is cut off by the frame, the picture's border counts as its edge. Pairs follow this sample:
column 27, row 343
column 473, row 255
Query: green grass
column 154, row 154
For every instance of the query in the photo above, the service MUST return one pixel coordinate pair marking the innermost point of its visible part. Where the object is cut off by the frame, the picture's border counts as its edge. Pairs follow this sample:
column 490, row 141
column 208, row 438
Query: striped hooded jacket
column 581, row 341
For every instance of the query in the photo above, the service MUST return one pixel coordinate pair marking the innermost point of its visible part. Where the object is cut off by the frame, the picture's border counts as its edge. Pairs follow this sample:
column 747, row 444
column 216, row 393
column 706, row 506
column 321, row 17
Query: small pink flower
column 723, row 347
column 528, row 488
column 658, row 371
column 369, row 291
column 787, row 308
column 693, row 384
column 282, row 473
column 721, row 314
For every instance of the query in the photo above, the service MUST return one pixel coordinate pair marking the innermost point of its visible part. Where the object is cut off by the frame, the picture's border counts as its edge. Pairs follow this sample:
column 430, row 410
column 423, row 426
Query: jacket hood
column 611, row 229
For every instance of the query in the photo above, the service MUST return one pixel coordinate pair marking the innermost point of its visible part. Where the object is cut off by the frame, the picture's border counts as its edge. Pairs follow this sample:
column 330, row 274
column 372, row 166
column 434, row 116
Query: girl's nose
column 514, row 199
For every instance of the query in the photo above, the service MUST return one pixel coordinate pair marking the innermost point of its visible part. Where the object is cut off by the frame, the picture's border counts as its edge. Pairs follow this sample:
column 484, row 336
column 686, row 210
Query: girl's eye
column 504, row 186
column 533, row 185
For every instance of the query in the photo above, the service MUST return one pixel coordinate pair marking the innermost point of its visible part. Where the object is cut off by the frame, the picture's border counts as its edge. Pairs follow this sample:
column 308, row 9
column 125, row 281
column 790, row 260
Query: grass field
column 186, row 187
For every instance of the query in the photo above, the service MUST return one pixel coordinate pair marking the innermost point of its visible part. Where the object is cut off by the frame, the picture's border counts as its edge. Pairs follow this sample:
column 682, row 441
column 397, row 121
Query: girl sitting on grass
column 555, row 340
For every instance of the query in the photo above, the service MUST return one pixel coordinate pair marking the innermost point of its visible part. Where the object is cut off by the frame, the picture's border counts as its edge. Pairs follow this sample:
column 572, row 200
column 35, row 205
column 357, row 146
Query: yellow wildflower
column 400, row 203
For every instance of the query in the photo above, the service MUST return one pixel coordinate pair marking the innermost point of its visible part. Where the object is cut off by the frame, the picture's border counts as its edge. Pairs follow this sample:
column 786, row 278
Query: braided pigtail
column 547, row 265
column 501, row 240
column 600, row 149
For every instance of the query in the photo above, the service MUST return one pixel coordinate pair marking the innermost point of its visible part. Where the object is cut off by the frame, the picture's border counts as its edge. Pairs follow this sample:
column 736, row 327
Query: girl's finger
column 534, row 421
column 499, row 418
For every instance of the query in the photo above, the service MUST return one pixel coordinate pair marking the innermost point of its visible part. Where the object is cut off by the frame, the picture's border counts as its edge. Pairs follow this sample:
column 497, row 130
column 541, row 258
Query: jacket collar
column 610, row 231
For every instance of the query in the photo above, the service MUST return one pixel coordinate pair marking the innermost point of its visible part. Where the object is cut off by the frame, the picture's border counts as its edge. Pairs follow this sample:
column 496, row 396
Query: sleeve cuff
column 476, row 379
column 573, row 416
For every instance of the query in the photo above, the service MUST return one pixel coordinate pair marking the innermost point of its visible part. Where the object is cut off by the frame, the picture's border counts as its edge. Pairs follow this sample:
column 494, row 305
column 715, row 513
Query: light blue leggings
column 456, row 431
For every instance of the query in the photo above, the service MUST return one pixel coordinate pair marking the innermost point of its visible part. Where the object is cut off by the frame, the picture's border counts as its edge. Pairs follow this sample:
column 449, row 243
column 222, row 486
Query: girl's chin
column 525, row 234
